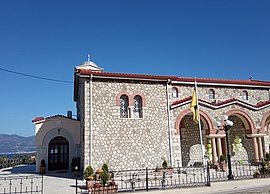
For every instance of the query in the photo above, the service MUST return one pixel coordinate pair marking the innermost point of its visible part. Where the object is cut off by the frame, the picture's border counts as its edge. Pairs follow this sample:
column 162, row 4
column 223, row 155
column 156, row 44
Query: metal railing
column 241, row 170
column 6, row 163
column 147, row 179
column 21, row 184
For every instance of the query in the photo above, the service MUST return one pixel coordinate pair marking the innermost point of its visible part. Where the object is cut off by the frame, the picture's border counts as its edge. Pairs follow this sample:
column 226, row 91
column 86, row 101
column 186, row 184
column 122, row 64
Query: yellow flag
column 194, row 107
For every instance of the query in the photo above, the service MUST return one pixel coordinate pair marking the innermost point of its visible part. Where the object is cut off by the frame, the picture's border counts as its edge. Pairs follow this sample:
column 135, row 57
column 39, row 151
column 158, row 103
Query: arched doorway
column 190, row 144
column 190, row 148
column 58, row 154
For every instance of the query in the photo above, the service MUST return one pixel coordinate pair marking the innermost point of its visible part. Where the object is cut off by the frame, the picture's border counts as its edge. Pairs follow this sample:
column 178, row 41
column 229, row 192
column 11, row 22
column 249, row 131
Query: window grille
column 137, row 110
column 124, row 106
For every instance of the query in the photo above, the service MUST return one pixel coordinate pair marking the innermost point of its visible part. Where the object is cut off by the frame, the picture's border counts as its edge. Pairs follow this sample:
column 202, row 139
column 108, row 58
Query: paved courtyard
column 54, row 182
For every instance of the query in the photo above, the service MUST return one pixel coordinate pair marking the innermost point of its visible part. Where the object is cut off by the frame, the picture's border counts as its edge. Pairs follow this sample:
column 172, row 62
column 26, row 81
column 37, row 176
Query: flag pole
column 199, row 122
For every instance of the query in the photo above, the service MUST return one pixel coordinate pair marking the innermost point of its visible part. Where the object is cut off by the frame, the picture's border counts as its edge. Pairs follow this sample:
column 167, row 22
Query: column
column 260, row 148
column 256, row 153
column 214, row 150
column 219, row 147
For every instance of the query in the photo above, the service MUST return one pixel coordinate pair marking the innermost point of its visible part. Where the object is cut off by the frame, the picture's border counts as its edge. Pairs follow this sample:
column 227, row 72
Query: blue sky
column 228, row 39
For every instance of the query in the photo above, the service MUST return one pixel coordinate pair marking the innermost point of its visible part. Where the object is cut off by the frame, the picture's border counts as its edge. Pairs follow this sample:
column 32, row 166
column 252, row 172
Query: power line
column 36, row 77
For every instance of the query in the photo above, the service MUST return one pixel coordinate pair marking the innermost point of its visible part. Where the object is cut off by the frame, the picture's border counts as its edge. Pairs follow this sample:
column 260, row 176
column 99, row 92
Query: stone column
column 219, row 147
column 255, row 144
column 260, row 148
column 214, row 150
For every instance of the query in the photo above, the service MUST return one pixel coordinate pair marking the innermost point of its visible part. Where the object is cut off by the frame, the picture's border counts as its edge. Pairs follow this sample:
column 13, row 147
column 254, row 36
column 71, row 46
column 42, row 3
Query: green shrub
column 105, row 167
column 89, row 171
column 222, row 158
column 267, row 156
column 104, row 177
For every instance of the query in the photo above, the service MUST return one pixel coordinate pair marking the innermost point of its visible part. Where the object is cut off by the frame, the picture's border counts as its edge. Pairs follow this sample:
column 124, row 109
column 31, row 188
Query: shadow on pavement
column 31, row 169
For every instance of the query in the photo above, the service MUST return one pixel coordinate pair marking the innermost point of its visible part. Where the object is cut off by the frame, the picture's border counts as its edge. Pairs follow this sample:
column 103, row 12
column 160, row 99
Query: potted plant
column 89, row 173
column 165, row 168
column 42, row 167
column 256, row 174
column 222, row 163
column 105, row 168
column 104, row 177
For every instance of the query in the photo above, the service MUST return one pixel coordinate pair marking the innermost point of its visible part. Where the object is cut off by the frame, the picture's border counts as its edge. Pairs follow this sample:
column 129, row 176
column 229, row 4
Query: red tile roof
column 174, row 78
column 38, row 119
column 42, row 118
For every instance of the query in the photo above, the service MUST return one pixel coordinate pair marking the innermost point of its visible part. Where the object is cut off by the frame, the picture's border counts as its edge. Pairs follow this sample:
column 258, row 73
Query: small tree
column 222, row 158
column 105, row 167
column 88, row 172
column 104, row 177
column 164, row 164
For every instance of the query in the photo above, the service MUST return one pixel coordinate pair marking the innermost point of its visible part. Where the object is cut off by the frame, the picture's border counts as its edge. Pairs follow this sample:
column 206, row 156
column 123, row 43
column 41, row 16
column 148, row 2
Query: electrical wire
column 36, row 77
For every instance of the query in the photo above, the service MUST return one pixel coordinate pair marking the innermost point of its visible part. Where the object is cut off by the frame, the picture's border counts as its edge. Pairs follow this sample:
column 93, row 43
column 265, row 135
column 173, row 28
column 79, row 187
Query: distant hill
column 16, row 144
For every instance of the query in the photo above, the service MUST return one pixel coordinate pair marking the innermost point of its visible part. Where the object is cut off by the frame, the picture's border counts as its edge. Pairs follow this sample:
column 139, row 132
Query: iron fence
column 147, row 179
column 179, row 177
column 241, row 170
column 21, row 184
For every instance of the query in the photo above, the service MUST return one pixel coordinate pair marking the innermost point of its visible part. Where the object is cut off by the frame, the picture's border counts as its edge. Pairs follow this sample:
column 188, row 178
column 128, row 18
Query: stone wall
column 190, row 142
column 224, row 93
column 245, row 150
column 241, row 124
column 129, row 143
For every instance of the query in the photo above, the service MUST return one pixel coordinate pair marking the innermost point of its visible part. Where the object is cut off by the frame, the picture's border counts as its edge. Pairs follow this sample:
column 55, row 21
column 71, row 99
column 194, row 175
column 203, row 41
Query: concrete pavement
column 226, row 187
column 63, row 182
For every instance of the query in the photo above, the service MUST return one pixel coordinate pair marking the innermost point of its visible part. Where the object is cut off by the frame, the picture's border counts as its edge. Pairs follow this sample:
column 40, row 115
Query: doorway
column 58, row 154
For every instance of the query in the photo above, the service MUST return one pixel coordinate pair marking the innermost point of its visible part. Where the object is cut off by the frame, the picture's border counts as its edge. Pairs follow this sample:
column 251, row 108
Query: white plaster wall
column 53, row 127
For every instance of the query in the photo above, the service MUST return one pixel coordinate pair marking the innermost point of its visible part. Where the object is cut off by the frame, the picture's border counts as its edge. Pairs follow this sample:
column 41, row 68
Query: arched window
column 124, row 106
column 244, row 95
column 137, row 110
column 174, row 92
column 211, row 94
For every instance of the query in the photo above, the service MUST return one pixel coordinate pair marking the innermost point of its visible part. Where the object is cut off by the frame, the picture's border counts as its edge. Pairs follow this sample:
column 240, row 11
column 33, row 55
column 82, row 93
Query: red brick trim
column 202, row 115
column 252, row 128
column 265, row 121
column 138, row 94
column 119, row 95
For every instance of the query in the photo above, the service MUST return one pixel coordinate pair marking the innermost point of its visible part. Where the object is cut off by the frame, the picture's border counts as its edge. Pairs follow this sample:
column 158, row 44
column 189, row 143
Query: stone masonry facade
column 166, row 129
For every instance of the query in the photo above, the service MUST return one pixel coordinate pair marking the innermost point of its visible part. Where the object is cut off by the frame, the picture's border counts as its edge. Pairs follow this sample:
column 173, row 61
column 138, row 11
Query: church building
column 132, row 121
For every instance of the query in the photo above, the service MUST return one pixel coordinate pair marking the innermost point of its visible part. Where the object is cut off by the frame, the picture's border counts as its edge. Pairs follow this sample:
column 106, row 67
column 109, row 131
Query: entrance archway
column 58, row 154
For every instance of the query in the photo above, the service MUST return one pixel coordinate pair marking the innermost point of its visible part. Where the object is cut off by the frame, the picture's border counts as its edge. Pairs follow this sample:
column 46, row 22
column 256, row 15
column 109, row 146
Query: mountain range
column 16, row 144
